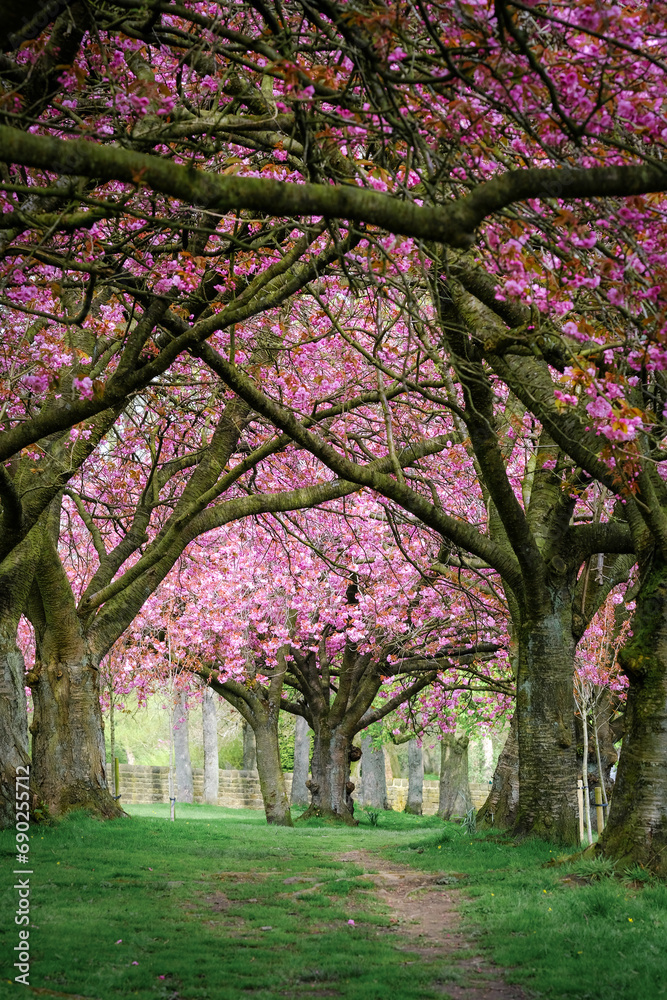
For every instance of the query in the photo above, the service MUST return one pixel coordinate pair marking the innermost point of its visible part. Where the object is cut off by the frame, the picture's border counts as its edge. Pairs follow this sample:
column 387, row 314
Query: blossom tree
column 342, row 631
column 432, row 123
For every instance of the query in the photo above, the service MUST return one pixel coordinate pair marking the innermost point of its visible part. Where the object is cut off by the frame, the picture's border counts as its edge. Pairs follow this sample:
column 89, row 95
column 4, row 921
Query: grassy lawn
column 200, row 909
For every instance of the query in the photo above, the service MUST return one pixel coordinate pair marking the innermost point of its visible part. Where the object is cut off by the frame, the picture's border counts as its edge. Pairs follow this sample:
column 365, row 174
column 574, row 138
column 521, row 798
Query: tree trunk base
column 343, row 818
column 80, row 796
column 500, row 808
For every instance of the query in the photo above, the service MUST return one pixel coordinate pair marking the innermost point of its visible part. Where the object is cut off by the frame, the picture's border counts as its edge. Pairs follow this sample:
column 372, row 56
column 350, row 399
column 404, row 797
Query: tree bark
column 330, row 786
column 501, row 806
column 185, row 789
column 454, row 793
column 269, row 769
column 373, row 776
column 249, row 748
column 16, row 576
column 69, row 767
column 415, row 801
column 545, row 721
column 300, row 795
column 637, row 828
column 210, row 733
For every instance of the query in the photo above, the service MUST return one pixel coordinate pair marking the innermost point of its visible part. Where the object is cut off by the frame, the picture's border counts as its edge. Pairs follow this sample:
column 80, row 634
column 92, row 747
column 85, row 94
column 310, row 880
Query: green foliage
column 470, row 821
column 377, row 734
column 593, row 868
column 121, row 752
column 637, row 873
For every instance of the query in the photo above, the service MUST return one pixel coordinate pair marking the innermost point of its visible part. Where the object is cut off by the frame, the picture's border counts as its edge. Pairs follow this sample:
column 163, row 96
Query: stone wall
column 240, row 789
column 397, row 794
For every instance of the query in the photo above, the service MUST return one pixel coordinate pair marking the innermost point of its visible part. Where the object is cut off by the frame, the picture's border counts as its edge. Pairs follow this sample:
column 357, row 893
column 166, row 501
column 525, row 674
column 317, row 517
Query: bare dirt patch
column 424, row 910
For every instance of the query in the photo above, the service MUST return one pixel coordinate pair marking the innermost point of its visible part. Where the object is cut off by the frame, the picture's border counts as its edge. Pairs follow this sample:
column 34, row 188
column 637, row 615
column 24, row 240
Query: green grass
column 191, row 902
column 586, row 939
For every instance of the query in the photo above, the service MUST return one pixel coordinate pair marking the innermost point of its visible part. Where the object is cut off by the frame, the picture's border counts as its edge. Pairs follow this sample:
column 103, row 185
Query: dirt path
column 426, row 913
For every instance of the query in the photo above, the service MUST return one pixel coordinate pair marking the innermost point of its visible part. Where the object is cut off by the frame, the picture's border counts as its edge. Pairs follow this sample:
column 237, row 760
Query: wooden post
column 580, row 803
column 116, row 778
column 599, row 810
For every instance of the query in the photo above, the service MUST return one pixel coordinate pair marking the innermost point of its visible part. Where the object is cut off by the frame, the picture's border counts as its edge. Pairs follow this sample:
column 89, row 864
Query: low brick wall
column 142, row 783
column 397, row 794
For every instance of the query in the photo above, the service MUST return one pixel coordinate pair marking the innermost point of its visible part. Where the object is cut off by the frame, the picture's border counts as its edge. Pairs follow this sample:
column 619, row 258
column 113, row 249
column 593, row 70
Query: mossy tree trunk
column 330, row 774
column 545, row 726
column 269, row 769
column 69, row 765
column 637, row 829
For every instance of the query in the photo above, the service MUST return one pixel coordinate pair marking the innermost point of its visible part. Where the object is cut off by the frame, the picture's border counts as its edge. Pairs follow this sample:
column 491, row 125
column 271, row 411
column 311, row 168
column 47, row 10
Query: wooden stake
column 116, row 777
column 580, row 803
column 599, row 811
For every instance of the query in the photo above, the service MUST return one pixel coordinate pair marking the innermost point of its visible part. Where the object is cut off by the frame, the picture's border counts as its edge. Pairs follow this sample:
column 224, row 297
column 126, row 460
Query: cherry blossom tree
column 538, row 128
column 341, row 631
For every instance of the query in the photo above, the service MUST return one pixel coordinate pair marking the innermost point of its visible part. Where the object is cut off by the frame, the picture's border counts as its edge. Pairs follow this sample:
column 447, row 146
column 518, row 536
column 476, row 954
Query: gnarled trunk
column 269, row 769
column 501, row 806
column 373, row 776
column 637, row 828
column 301, row 762
column 545, row 721
column 415, row 801
column 330, row 785
column 454, row 798
column 210, row 734
column 69, row 767
column 14, row 748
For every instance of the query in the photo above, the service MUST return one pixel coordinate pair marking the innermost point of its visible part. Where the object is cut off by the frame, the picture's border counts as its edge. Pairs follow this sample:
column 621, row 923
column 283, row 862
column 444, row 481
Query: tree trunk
column 185, row 789
column 210, row 733
column 415, row 779
column 69, row 767
column 373, row 776
column 249, row 748
column 301, row 762
column 271, row 777
column 14, row 747
column 330, row 785
column 16, row 576
column 454, row 793
column 260, row 709
column 501, row 806
column 637, row 828
column 545, row 721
